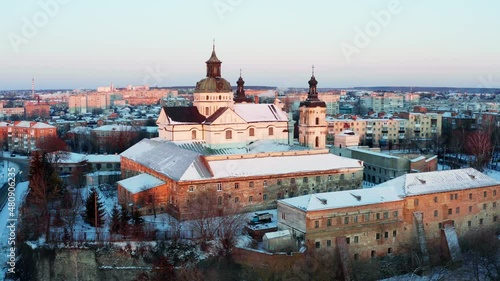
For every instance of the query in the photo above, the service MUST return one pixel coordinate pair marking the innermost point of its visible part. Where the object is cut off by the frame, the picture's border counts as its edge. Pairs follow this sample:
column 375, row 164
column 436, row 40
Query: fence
column 93, row 236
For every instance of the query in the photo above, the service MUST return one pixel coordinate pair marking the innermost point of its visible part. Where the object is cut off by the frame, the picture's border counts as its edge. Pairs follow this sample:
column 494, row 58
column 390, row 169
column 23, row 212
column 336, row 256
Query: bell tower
column 312, row 120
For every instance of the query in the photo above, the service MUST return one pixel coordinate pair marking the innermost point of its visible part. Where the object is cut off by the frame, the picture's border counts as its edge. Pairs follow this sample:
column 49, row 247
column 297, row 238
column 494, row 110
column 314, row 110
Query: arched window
column 220, row 97
column 207, row 110
column 251, row 132
column 193, row 134
column 271, row 131
column 317, row 121
column 229, row 134
column 317, row 141
column 207, row 97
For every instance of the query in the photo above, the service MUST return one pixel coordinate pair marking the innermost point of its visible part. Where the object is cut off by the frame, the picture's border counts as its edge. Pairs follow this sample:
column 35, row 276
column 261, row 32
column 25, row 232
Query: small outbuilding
column 278, row 241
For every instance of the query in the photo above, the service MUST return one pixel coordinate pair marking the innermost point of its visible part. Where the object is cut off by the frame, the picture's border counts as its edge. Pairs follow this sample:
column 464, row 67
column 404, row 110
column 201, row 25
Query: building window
column 386, row 234
column 355, row 219
column 378, row 216
column 236, row 185
column 495, row 218
column 191, row 188
column 304, row 180
column 440, row 225
column 450, row 211
column 250, row 184
column 271, row 131
column 435, row 199
column 356, row 257
column 386, row 215
column 264, row 196
column 278, row 182
column 457, row 210
column 495, row 192
column 283, row 216
column 470, row 209
column 219, row 200
column 236, row 199
column 485, row 193
column 470, row 196
column 395, row 214
column 469, row 223
column 373, row 254
column 328, row 243
column 317, row 121
column 389, row 250
column 264, row 183
column 193, row 135
column 435, row 213
column 318, row 179
column 494, row 204
column 229, row 135
column 394, row 233
column 451, row 196
column 348, row 240
column 341, row 176
column 329, row 177
column 250, row 199
column 329, row 222
column 377, row 236
column 292, row 181
column 367, row 217
column 356, row 239
column 251, row 132
column 318, row 245
column 316, row 224
column 346, row 220
column 480, row 221
column 484, row 206
column 219, row 186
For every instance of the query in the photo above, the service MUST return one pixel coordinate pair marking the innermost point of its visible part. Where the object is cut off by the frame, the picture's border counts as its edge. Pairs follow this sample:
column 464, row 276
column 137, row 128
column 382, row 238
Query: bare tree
column 479, row 145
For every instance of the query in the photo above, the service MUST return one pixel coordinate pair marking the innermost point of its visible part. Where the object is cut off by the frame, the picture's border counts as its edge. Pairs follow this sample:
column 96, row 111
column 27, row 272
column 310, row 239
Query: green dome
column 213, row 85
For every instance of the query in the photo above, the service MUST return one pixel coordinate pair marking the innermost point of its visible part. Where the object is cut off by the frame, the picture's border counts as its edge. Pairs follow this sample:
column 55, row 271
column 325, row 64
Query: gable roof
column 184, row 114
column 216, row 115
column 139, row 183
column 260, row 112
column 441, row 181
column 394, row 190
column 168, row 159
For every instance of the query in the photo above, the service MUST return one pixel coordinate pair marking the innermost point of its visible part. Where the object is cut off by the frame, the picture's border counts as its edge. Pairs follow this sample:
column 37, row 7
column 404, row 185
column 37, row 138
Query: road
column 21, row 164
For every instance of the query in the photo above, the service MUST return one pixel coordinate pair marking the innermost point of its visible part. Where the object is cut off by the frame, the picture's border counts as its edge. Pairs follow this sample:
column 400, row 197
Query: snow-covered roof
column 72, row 157
column 40, row 125
column 167, row 158
column 260, row 112
column 277, row 165
column 185, row 165
column 440, row 181
column 394, row 190
column 347, row 198
column 139, row 183
column 277, row 234
column 115, row 128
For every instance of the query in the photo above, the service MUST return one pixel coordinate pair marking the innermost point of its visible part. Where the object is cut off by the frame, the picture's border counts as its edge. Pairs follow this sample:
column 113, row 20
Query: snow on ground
column 492, row 173
column 5, row 217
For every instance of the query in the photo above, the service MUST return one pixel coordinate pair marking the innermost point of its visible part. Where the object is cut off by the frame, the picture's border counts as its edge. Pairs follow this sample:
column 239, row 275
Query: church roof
column 184, row 114
column 216, row 115
column 213, row 85
column 213, row 57
column 260, row 112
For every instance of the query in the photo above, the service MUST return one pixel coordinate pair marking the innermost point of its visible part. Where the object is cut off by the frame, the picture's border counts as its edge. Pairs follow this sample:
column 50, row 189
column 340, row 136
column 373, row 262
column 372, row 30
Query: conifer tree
column 92, row 207
column 115, row 220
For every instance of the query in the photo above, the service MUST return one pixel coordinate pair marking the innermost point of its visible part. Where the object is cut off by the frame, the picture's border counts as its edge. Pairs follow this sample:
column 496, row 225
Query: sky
column 85, row 44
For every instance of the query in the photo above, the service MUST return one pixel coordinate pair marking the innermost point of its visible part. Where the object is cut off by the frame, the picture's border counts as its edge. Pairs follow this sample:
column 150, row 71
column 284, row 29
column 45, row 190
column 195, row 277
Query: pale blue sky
column 91, row 43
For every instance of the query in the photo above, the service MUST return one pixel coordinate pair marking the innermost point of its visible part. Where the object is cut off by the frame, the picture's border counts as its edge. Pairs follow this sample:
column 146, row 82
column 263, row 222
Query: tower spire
column 240, row 91
column 213, row 64
column 213, row 44
column 312, row 67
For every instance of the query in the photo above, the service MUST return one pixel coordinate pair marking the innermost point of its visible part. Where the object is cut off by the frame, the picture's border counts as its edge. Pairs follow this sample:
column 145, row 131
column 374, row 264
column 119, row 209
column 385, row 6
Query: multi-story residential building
column 23, row 136
column 86, row 103
column 397, row 132
column 32, row 111
column 386, row 102
column 431, row 208
column 7, row 112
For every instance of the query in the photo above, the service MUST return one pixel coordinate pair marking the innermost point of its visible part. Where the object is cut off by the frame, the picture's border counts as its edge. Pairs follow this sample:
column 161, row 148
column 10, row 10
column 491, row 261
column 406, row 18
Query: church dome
column 213, row 85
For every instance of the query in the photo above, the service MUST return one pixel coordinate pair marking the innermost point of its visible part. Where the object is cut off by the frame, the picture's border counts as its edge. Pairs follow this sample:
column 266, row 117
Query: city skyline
column 68, row 44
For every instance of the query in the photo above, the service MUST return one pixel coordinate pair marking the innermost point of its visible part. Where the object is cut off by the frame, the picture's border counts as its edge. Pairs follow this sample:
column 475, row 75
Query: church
column 242, row 153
